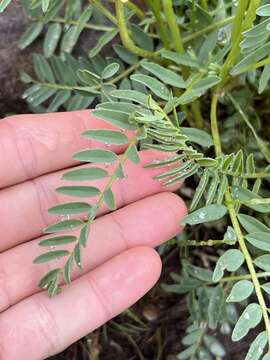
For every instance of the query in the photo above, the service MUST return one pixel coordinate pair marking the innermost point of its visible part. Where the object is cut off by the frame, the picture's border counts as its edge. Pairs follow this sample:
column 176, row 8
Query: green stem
column 214, row 124
column 207, row 29
column 155, row 7
column 124, row 33
column 117, row 78
column 244, row 277
column 138, row 11
column 235, row 40
column 74, row 22
column 204, row 5
column 233, row 216
column 179, row 47
column 249, row 262
column 209, row 242
column 173, row 26
column 98, row 4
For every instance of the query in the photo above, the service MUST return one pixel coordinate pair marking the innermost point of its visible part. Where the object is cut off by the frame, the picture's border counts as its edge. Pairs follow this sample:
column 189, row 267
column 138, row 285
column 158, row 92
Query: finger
column 40, row 327
column 39, row 144
column 24, row 207
column 148, row 222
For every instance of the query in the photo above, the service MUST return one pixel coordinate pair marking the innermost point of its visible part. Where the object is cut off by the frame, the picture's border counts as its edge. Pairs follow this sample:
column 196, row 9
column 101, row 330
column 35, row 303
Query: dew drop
column 202, row 215
column 246, row 316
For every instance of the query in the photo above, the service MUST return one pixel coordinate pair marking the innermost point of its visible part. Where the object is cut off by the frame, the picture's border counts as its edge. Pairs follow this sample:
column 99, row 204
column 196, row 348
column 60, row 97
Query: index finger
column 33, row 145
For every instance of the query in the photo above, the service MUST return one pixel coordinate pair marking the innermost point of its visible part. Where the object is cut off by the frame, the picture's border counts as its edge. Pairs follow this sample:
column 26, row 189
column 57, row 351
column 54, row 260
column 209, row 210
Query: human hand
column 119, row 265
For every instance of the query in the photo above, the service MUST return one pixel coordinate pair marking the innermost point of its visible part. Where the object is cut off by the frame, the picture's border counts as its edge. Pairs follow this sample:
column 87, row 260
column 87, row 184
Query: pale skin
column 119, row 264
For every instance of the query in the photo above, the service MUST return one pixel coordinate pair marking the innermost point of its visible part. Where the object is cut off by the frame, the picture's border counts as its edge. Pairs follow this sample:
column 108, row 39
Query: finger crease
column 5, row 296
column 44, row 198
column 98, row 294
column 120, row 230
column 23, row 146
column 47, row 327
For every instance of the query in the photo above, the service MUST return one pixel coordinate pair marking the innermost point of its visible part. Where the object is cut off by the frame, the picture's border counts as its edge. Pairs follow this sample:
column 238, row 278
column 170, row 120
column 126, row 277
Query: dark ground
column 160, row 319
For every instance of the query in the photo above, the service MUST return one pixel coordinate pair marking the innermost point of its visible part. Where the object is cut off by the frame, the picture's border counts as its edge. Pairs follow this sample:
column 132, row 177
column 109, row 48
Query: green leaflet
column 96, row 155
column 200, row 190
column 165, row 75
column 125, row 55
column 45, row 5
column 260, row 240
column 70, row 208
column 4, row 4
column 107, row 136
column 180, row 59
column 49, row 277
column 60, row 98
column 198, row 89
column 54, row 8
column 132, row 154
column 263, row 262
column 117, row 118
column 67, row 270
column 84, row 234
column 240, row 291
column 80, row 191
column 257, row 346
column 198, row 136
column 244, row 196
column 249, row 319
column 142, row 38
column 157, row 87
column 30, row 35
column 88, row 77
column 214, row 346
column 230, row 236
column 102, row 41
column 86, row 174
column 231, row 260
column 131, row 95
column 266, row 287
column 216, row 306
column 205, row 84
column 51, row 255
column 58, row 240
column 77, row 256
column 124, row 107
column 212, row 189
column 193, row 337
column 51, row 40
column 63, row 226
column 251, row 59
column 263, row 10
column 250, row 224
column 205, row 214
column 110, row 70
column 109, row 199
column 264, row 78
column 43, row 69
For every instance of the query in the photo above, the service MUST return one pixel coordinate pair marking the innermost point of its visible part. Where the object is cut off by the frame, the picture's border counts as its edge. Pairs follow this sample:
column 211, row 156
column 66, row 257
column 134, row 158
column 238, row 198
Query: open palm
column 119, row 264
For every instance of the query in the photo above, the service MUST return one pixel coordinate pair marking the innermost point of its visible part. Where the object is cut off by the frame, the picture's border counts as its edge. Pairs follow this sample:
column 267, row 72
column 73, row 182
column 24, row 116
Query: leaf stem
column 98, row 4
column 155, row 7
column 173, row 26
column 61, row 20
column 124, row 33
column 233, row 216
column 249, row 262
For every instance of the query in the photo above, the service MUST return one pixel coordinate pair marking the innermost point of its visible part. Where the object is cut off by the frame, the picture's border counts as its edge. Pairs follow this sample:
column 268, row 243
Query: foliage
column 172, row 58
